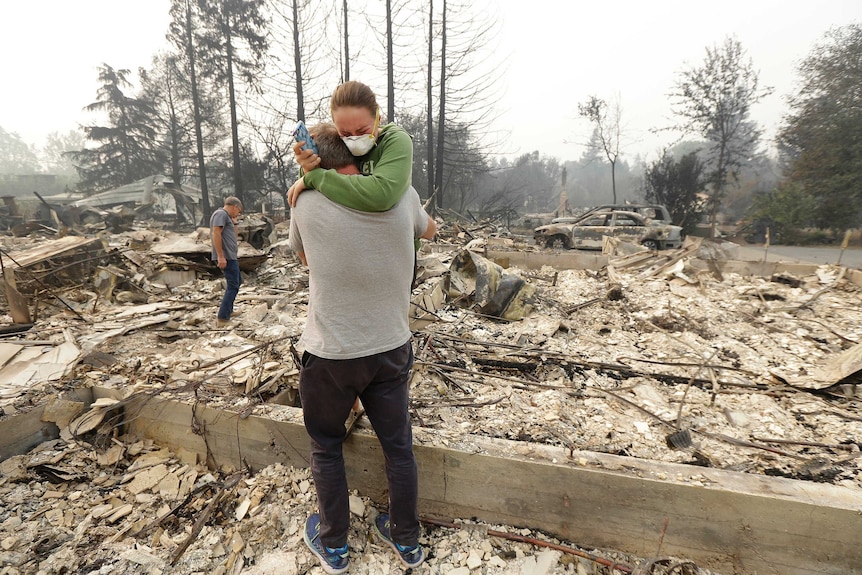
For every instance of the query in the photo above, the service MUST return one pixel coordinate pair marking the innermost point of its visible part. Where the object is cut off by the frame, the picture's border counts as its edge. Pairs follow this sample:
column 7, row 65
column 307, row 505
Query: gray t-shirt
column 360, row 269
column 229, row 246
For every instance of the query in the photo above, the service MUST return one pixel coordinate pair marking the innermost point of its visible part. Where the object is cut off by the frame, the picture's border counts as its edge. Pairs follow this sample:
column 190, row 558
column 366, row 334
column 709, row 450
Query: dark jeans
column 328, row 389
column 234, row 280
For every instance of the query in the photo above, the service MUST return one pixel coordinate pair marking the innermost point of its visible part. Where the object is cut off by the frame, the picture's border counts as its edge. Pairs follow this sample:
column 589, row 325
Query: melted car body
column 587, row 232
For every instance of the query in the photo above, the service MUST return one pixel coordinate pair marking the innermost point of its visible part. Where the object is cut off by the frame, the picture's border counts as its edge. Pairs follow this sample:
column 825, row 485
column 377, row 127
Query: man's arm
column 431, row 230
column 294, row 240
column 218, row 246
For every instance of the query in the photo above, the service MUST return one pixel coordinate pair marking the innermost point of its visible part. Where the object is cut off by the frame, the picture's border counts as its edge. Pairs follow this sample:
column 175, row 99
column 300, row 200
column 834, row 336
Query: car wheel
column 558, row 242
column 650, row 244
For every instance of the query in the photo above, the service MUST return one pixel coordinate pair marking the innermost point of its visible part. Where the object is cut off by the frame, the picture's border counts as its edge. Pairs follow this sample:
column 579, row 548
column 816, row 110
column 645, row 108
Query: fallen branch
column 217, row 500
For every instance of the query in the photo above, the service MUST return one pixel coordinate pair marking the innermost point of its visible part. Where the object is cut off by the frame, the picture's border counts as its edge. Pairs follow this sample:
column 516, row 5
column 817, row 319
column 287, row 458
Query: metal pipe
column 538, row 543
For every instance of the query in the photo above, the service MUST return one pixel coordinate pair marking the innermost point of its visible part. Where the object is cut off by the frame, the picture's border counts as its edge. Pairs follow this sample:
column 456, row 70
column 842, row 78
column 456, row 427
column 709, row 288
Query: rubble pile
column 130, row 507
column 649, row 357
column 687, row 369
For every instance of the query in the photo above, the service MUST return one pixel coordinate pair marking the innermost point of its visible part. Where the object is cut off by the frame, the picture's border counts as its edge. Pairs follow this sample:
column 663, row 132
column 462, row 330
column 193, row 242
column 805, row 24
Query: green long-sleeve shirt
column 388, row 168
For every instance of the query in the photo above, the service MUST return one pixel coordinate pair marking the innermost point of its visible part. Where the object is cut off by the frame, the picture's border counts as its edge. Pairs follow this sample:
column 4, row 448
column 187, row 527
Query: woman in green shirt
column 383, row 153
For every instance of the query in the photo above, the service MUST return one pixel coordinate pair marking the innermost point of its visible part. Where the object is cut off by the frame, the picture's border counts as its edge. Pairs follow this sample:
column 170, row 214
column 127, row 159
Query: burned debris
column 673, row 357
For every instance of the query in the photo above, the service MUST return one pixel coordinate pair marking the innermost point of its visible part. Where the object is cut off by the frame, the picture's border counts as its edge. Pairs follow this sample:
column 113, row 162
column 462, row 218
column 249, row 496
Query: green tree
column 714, row 100
column 676, row 185
column 787, row 210
column 821, row 138
column 16, row 156
column 124, row 149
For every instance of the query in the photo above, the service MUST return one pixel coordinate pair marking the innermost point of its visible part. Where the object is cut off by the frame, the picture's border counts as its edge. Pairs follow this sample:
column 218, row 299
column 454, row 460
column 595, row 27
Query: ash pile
column 651, row 356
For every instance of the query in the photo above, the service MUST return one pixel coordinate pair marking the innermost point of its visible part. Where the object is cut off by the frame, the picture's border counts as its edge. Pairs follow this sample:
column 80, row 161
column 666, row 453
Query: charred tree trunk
column 174, row 130
column 297, row 62
column 441, row 119
column 346, row 44
column 199, row 140
column 390, row 76
column 430, row 98
column 234, row 124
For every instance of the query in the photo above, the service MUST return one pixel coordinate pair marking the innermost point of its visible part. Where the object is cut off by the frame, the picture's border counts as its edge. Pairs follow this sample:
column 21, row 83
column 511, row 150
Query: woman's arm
column 391, row 174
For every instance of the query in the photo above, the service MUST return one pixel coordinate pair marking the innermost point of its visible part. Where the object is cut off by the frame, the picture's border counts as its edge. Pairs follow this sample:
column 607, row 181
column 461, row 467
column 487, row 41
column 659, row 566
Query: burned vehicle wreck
column 587, row 232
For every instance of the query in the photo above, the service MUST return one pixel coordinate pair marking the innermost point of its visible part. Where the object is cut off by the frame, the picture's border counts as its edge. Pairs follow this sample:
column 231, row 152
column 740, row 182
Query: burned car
column 587, row 232
column 655, row 212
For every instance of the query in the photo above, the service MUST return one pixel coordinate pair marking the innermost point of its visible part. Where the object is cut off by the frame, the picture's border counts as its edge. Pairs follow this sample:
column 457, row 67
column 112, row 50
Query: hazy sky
column 555, row 54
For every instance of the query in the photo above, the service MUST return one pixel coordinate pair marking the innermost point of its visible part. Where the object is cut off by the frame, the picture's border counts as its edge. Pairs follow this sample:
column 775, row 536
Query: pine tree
column 125, row 148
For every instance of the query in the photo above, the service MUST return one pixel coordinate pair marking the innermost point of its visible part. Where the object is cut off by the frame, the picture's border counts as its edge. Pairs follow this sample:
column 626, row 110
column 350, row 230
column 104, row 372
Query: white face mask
column 362, row 144
column 359, row 145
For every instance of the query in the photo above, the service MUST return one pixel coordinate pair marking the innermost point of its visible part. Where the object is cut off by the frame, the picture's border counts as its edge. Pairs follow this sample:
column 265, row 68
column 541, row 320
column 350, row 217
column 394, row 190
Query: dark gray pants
column 328, row 389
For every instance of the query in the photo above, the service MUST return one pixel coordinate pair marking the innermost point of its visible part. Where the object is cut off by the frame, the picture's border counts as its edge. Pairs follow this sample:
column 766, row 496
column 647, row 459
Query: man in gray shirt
column 358, row 344
column 225, row 253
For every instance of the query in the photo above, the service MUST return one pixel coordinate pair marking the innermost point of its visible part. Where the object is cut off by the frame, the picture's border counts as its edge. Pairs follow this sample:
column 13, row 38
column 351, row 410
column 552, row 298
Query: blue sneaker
column 333, row 561
column 411, row 556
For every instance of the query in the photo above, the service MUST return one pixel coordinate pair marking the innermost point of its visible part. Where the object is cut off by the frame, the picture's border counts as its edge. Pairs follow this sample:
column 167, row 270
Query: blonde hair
column 353, row 93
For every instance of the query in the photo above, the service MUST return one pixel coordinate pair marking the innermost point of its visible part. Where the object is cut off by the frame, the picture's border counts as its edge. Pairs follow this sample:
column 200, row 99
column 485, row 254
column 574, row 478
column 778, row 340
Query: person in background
column 357, row 344
column 225, row 253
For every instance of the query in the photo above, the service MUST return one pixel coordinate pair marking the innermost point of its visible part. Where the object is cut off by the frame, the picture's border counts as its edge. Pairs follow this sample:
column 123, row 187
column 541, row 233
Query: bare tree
column 54, row 153
column 233, row 41
column 162, row 87
column 466, row 90
column 181, row 34
column 390, row 75
column 168, row 85
column 439, row 191
column 714, row 100
column 299, row 72
column 297, row 62
column 430, row 105
column 606, row 120
column 281, row 170
column 346, row 76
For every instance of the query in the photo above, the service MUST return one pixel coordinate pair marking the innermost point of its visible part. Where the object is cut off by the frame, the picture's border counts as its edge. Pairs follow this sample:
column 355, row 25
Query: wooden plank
column 53, row 249
column 729, row 521
column 570, row 260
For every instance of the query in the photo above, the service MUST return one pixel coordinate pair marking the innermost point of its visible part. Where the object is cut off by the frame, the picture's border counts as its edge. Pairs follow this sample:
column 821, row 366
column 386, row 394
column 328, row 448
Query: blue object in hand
column 300, row 134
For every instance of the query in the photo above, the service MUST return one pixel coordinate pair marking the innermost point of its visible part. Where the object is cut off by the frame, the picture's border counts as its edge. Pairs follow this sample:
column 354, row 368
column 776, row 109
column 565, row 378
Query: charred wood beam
column 621, row 369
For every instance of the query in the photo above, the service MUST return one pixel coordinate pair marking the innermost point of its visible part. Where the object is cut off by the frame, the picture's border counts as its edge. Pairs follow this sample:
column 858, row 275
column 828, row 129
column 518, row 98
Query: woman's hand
column 293, row 193
column 306, row 159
